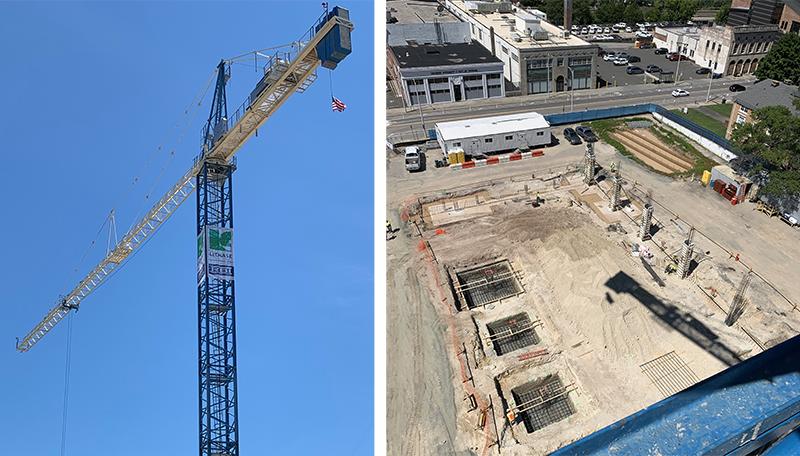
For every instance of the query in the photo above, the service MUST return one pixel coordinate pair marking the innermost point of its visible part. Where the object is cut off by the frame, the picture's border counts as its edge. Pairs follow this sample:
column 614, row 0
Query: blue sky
column 89, row 92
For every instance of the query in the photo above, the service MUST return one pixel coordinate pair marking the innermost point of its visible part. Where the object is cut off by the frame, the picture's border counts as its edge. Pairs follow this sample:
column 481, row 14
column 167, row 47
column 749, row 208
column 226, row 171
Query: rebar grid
column 543, row 403
column 512, row 333
column 487, row 283
column 669, row 373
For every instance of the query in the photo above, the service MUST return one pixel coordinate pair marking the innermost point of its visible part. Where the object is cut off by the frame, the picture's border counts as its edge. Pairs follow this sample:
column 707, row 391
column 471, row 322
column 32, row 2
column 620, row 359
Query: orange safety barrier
column 515, row 157
column 469, row 164
column 492, row 161
column 537, row 153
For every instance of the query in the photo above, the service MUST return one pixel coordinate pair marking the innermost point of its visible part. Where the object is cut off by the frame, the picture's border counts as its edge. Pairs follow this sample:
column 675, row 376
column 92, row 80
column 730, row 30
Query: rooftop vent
column 775, row 83
column 516, row 37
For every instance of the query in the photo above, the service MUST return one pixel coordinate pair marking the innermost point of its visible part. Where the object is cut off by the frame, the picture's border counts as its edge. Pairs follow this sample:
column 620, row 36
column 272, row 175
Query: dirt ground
column 601, row 314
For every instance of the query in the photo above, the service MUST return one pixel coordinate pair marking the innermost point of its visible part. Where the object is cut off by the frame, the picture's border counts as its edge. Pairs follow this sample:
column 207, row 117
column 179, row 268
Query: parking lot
column 607, row 72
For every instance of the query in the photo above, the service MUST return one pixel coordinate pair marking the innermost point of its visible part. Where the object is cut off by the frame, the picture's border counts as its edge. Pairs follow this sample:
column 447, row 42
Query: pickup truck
column 412, row 158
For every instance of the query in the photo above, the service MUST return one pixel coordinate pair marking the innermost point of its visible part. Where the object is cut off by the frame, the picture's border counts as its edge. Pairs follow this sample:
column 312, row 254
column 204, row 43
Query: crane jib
column 322, row 47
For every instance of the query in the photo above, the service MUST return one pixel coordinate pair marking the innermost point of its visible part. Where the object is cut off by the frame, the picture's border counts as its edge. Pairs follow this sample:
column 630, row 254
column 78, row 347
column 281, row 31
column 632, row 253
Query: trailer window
column 487, row 140
column 509, row 137
column 539, row 133
column 456, row 144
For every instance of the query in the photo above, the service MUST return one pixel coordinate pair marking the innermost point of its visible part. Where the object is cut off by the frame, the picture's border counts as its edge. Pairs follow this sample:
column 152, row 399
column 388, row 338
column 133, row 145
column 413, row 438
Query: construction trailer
column 490, row 135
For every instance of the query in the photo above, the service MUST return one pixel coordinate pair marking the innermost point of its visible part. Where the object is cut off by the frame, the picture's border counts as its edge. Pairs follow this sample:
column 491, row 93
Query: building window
column 713, row 46
column 487, row 140
column 505, row 49
column 473, row 28
column 509, row 137
column 758, row 48
column 440, row 90
column 743, row 109
column 740, row 118
column 707, row 43
column 560, row 61
column 473, row 87
column 456, row 144
column 416, row 92
column 537, row 72
column 514, row 56
column 750, row 51
column 480, row 34
column 581, row 75
column 736, row 48
column 494, row 86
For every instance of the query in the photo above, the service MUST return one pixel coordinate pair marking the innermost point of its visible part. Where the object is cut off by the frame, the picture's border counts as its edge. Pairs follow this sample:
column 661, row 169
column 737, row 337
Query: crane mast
column 286, row 72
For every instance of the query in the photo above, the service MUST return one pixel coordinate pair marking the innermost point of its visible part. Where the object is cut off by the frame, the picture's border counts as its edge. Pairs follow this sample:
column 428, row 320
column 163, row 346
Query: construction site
column 533, row 303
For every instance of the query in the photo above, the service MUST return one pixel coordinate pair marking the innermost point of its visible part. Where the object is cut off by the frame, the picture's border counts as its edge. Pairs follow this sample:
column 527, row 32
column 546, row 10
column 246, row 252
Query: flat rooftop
column 427, row 55
column 692, row 32
column 503, row 29
column 491, row 125
column 420, row 12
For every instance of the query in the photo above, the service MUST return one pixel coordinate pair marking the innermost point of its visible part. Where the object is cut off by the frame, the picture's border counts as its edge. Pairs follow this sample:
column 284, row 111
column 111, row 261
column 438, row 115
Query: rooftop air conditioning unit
column 566, row 34
column 516, row 37
column 540, row 35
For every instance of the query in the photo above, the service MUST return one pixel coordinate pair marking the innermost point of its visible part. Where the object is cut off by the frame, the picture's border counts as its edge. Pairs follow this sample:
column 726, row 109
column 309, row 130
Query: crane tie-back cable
column 203, row 92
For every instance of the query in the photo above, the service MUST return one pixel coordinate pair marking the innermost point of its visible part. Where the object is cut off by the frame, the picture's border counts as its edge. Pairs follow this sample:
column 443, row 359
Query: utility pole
column 710, row 78
column 572, row 84
column 678, row 69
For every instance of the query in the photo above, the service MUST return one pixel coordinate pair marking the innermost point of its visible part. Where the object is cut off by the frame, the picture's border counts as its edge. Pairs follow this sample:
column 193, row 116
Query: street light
column 677, row 70
column 572, row 83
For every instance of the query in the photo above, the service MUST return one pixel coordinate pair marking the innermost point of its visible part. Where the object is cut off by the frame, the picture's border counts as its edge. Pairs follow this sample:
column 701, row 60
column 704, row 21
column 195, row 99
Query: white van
column 412, row 158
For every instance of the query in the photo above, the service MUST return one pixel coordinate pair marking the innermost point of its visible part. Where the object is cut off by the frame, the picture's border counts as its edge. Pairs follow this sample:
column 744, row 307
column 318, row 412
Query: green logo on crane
column 219, row 241
column 200, row 246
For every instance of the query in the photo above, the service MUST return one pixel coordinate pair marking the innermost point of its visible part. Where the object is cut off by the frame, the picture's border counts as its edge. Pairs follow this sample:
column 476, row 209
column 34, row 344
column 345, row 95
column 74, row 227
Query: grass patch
column 603, row 126
column 702, row 120
column 724, row 109
column 701, row 162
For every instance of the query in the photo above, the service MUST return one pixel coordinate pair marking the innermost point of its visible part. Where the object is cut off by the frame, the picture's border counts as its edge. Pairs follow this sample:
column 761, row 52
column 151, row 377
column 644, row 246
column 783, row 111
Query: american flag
column 338, row 105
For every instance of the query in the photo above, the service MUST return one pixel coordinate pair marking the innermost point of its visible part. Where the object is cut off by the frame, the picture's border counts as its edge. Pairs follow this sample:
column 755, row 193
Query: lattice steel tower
column 219, row 427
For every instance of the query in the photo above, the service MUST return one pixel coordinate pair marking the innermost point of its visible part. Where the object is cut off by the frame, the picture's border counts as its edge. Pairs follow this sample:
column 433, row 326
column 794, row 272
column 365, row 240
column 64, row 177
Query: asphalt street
column 400, row 121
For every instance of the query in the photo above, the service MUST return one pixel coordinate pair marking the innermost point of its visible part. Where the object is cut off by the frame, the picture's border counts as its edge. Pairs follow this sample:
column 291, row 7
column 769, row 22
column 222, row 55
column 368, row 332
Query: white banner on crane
column 215, row 254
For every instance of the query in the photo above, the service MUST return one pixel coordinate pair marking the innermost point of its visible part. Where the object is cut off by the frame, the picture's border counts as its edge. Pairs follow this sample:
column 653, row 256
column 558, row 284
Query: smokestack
column 567, row 15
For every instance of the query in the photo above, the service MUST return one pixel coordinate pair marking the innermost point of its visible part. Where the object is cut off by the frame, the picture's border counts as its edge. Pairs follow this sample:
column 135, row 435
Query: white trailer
column 490, row 135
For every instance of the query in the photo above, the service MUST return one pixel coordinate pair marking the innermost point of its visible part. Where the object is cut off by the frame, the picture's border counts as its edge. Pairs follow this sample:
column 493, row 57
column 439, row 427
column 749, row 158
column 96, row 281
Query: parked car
column 737, row 88
column 620, row 62
column 634, row 58
column 606, row 30
column 703, row 70
column 609, row 55
column 645, row 45
column 622, row 55
column 628, row 29
column 571, row 136
column 653, row 69
column 586, row 133
column 660, row 51
column 634, row 70
column 716, row 75
column 680, row 93
column 600, row 52
column 412, row 158
column 674, row 57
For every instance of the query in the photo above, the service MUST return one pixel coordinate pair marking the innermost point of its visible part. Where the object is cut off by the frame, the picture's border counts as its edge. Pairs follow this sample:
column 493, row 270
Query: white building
column 678, row 39
column 493, row 134
column 537, row 56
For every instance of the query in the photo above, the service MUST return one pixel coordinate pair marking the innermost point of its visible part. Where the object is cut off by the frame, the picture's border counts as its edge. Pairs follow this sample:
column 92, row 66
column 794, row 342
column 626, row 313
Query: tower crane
column 286, row 72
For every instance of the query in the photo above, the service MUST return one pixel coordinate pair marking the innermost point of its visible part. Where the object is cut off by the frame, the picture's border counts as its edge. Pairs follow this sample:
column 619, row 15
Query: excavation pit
column 488, row 283
column 543, row 402
column 512, row 333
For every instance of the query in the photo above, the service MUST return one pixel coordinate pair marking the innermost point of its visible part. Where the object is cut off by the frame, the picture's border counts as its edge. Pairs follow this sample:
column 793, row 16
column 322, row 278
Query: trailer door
column 474, row 147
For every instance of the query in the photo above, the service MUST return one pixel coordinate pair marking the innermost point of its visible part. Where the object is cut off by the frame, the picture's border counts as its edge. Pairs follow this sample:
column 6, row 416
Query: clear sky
column 88, row 93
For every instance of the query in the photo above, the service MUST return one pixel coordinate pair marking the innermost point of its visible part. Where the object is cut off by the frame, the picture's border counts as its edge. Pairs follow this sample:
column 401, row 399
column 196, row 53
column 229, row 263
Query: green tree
column 633, row 14
column 555, row 11
column 532, row 3
column 772, row 144
column 609, row 11
column 582, row 12
column 782, row 62
column 652, row 15
column 722, row 14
